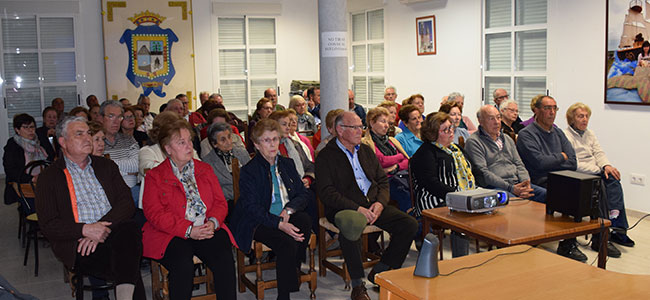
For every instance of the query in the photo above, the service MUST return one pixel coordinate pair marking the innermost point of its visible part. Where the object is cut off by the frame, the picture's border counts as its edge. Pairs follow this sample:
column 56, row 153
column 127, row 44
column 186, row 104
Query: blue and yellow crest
column 150, row 58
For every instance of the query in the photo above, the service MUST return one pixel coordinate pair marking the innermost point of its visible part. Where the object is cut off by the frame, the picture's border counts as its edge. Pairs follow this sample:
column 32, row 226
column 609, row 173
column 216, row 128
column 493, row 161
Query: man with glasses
column 499, row 95
column 544, row 148
column 145, row 103
column 354, row 190
column 496, row 157
column 186, row 106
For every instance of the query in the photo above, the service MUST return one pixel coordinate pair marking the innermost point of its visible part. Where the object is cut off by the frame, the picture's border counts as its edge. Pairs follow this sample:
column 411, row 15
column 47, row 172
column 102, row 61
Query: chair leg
column 240, row 271
column 322, row 251
column 27, row 251
column 79, row 286
column 259, row 281
column 35, row 233
column 312, row 271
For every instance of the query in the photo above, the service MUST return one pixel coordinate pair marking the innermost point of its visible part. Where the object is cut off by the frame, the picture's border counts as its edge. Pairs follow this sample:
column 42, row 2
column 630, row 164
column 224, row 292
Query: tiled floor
column 49, row 284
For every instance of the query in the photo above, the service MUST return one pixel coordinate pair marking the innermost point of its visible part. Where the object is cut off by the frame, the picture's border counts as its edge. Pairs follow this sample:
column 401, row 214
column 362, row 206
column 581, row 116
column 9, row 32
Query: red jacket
column 164, row 206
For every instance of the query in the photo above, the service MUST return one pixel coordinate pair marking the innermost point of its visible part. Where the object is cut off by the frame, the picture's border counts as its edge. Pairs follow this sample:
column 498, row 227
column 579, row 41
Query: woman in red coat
column 185, row 210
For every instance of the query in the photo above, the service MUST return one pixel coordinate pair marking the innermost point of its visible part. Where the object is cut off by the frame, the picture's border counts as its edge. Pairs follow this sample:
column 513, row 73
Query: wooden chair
column 368, row 259
column 259, row 285
column 160, row 281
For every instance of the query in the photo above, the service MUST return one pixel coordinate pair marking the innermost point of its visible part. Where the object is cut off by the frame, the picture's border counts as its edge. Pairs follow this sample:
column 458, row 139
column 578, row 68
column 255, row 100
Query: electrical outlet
column 638, row 179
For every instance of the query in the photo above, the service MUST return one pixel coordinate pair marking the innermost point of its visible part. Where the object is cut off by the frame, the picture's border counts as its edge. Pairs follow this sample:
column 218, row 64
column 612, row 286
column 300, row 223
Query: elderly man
column 85, row 210
column 272, row 95
column 356, row 108
column 510, row 121
column 145, row 103
column 390, row 94
column 122, row 148
column 544, row 148
column 495, row 156
column 175, row 105
column 186, row 106
column 59, row 107
column 592, row 160
column 354, row 190
column 498, row 96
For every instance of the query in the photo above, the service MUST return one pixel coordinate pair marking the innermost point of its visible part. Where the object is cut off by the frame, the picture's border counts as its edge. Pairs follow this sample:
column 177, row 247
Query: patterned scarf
column 464, row 175
column 196, row 209
column 226, row 157
column 292, row 152
column 382, row 143
column 33, row 149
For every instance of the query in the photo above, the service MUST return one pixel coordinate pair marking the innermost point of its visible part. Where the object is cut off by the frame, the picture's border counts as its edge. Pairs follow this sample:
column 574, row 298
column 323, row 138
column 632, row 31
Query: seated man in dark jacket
column 85, row 209
column 354, row 190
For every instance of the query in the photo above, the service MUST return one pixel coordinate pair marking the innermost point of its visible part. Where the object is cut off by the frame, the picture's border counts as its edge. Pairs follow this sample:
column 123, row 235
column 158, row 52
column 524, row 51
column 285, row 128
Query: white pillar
column 333, row 41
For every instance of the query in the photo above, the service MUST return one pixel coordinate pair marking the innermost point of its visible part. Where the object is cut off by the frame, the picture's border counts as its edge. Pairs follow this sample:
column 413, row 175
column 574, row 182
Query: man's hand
column 291, row 230
column 369, row 214
column 86, row 246
column 523, row 189
column 306, row 183
column 284, row 215
column 609, row 170
column 203, row 232
column 98, row 231
column 376, row 208
column 565, row 156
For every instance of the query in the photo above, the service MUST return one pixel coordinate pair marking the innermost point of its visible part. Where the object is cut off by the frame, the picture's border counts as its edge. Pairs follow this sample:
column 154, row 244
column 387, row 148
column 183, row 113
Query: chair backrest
column 461, row 142
column 411, row 194
column 235, row 179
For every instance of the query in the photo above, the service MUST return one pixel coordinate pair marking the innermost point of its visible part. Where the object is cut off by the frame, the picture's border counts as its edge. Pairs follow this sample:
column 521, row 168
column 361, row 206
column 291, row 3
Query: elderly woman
column 263, row 109
column 390, row 154
column 418, row 101
column 465, row 122
column 293, row 149
column 509, row 115
column 392, row 111
column 410, row 137
column 306, row 123
column 293, row 134
column 440, row 167
column 97, row 136
column 79, row 111
column 592, row 160
column 219, row 115
column 21, row 149
column 185, row 211
column 128, row 127
column 455, row 112
column 220, row 158
column 270, row 208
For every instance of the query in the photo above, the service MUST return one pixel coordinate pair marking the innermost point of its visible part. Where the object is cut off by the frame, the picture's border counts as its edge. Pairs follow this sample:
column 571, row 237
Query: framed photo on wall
column 627, row 56
column 425, row 33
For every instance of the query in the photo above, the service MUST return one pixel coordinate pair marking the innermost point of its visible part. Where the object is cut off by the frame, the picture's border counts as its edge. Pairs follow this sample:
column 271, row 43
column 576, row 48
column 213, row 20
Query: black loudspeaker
column 573, row 193
column 427, row 265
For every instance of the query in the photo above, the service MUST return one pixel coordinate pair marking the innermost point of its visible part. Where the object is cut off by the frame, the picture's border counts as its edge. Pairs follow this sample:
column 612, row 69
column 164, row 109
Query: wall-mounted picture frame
column 627, row 55
column 425, row 32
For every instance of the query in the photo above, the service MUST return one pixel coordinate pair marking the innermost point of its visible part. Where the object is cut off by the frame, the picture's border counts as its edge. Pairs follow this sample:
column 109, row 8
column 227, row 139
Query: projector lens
column 489, row 202
column 503, row 197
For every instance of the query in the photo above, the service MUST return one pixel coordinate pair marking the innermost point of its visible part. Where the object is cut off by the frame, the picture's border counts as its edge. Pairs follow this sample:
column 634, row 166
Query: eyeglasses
column 353, row 127
column 270, row 141
column 113, row 117
column 449, row 129
column 128, row 117
column 512, row 110
column 506, row 96
column 28, row 126
column 550, row 108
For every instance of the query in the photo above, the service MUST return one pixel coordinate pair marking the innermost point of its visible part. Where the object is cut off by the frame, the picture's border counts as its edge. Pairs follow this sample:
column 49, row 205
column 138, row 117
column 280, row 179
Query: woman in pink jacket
column 185, row 210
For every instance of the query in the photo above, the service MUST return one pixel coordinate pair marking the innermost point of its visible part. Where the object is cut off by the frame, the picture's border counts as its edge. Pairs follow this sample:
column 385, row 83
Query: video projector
column 477, row 201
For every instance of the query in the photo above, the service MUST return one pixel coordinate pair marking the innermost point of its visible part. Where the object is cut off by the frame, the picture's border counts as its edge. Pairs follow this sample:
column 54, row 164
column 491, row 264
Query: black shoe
column 570, row 250
column 611, row 250
column 359, row 293
column 371, row 276
column 621, row 239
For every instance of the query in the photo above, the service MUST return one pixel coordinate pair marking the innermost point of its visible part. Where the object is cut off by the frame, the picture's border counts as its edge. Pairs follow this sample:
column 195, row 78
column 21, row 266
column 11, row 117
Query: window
column 247, row 61
column 515, row 45
column 39, row 64
column 367, row 56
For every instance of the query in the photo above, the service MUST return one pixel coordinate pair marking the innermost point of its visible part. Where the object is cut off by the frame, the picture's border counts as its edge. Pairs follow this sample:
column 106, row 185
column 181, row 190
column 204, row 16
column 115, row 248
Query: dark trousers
column 216, row 253
column 117, row 259
column 288, row 251
column 402, row 229
column 614, row 200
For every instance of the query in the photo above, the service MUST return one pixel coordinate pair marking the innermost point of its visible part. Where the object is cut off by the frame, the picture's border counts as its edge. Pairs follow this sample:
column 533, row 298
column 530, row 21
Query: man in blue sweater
column 544, row 148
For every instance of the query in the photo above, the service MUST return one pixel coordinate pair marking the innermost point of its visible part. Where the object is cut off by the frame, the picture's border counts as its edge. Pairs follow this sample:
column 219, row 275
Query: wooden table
column 534, row 274
column 521, row 222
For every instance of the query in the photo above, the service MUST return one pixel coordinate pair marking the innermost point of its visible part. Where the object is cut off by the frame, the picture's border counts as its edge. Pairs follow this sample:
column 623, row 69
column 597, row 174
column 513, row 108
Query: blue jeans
column 539, row 193
column 614, row 200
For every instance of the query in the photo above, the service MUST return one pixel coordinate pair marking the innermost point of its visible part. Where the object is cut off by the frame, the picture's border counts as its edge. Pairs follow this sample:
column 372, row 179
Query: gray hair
column 174, row 100
column 453, row 96
column 390, row 87
column 62, row 127
column 141, row 98
column 108, row 103
column 507, row 103
column 216, row 128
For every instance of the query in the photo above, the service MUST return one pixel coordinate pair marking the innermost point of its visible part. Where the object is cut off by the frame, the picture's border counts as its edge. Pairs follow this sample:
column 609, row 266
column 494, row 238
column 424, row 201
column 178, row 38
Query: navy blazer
column 254, row 203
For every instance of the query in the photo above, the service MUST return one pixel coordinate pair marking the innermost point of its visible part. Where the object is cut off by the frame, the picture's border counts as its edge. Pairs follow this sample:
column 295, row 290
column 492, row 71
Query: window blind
column 23, row 100
column 497, row 51
column 376, row 90
column 234, row 93
column 261, row 31
column 376, row 24
column 262, row 62
column 525, row 89
column 376, row 57
column 258, row 86
column 359, row 58
column 21, row 68
column 360, row 88
column 493, row 83
column 497, row 13
column 67, row 93
column 232, row 62
column 231, row 31
column 530, row 12
column 530, row 49
column 56, row 33
column 59, row 67
column 359, row 27
column 19, row 34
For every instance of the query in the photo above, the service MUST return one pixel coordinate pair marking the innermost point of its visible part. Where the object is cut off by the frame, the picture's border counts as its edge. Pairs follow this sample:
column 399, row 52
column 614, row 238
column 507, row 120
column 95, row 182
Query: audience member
column 392, row 157
column 498, row 96
column 313, row 102
column 219, row 115
column 186, row 212
column 509, row 116
column 128, row 127
column 410, row 137
column 544, row 148
column 465, row 122
column 145, row 103
column 305, row 143
column 440, row 167
column 59, row 106
column 329, row 125
column 306, row 123
column 216, row 97
column 175, row 105
column 139, row 118
column 93, row 112
column 356, row 108
column 272, row 95
column 270, row 207
column 392, row 111
column 186, row 106
column 533, row 108
column 91, row 101
column 125, row 102
column 98, row 235
column 80, row 111
column 47, row 133
column 263, row 109
column 390, row 94
column 204, row 96
column 292, row 149
column 21, row 149
column 496, row 158
column 354, row 190
column 455, row 112
column 592, row 160
column 97, row 137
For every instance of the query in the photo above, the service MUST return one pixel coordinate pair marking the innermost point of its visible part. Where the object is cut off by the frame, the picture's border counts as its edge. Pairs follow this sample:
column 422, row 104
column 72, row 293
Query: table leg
column 602, row 252
column 386, row 294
